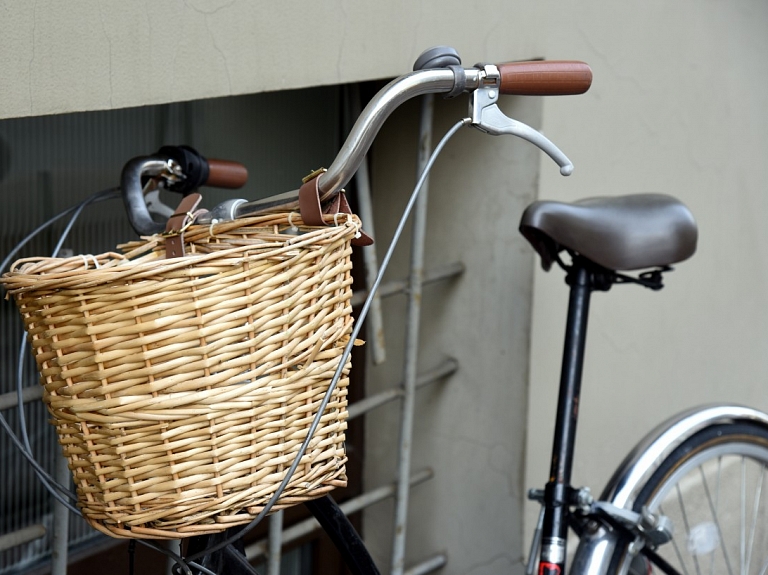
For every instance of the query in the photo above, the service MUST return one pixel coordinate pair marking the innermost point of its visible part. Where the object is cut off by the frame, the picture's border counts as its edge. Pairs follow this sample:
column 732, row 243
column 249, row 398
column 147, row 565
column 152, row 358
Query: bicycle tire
column 708, row 538
column 343, row 535
column 332, row 520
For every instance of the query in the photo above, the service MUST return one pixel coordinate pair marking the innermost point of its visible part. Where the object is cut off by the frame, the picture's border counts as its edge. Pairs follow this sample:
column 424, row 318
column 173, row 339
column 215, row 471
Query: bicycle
column 631, row 527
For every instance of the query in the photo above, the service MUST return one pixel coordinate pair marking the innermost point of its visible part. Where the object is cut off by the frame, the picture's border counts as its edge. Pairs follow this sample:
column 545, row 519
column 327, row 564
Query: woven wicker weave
column 182, row 388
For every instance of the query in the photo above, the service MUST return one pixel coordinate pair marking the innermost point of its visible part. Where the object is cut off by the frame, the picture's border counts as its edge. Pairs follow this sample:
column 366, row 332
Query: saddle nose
column 620, row 233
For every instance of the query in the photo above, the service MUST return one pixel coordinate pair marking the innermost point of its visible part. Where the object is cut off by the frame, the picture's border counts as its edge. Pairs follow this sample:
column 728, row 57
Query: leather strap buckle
column 174, row 230
column 312, row 211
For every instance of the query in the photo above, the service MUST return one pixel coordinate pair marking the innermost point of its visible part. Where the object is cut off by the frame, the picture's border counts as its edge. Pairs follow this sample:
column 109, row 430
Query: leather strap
column 309, row 203
column 312, row 211
column 174, row 229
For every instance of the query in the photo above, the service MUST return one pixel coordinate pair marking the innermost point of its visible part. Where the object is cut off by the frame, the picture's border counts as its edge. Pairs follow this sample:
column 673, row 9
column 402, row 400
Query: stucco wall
column 88, row 55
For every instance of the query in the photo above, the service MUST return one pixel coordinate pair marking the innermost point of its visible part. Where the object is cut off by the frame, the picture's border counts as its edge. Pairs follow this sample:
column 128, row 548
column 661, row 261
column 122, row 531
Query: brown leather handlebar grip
column 226, row 174
column 545, row 78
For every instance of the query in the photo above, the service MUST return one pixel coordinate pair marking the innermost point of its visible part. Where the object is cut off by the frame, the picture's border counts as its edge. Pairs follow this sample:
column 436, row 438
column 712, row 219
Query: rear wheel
column 714, row 489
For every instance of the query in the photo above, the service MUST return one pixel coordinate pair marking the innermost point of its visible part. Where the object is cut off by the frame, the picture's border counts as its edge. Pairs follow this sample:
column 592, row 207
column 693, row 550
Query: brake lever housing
column 487, row 117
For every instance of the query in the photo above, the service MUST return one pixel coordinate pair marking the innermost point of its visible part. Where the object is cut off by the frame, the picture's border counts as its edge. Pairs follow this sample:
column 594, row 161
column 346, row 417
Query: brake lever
column 488, row 117
column 156, row 206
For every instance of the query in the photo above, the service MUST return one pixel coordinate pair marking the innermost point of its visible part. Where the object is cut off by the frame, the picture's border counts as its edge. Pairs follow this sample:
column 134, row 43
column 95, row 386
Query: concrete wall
column 678, row 106
column 470, row 428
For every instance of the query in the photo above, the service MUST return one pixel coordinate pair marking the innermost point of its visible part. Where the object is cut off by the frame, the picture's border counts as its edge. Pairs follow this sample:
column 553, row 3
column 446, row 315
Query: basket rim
column 142, row 262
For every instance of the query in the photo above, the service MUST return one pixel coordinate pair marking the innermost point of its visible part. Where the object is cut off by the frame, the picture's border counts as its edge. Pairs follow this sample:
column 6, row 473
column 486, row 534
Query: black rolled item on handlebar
column 193, row 165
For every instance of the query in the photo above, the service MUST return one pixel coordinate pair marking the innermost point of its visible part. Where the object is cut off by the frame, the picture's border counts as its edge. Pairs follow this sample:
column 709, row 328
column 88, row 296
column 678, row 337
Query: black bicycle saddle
column 619, row 233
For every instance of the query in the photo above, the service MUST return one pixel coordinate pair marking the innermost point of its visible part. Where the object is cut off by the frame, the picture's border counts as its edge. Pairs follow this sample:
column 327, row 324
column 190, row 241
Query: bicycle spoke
column 687, row 526
column 755, row 511
column 717, row 510
column 743, row 515
column 716, row 520
column 676, row 548
column 714, row 491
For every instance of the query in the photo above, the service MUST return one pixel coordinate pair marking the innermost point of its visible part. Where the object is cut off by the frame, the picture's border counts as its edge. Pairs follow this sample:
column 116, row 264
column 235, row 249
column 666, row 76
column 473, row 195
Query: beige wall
column 678, row 106
column 88, row 55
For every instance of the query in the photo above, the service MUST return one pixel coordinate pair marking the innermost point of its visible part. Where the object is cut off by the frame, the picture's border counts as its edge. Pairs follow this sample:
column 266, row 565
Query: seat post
column 557, row 491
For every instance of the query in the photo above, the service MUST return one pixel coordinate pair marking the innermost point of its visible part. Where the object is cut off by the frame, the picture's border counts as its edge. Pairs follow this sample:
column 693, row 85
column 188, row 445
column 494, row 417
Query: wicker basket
column 182, row 388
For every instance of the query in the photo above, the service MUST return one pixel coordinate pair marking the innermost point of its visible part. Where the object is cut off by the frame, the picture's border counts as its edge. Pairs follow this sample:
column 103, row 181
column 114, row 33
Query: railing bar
column 415, row 284
column 429, row 565
column 60, row 543
column 395, row 287
column 365, row 207
column 11, row 399
column 275, row 543
column 362, row 406
column 370, row 403
column 21, row 536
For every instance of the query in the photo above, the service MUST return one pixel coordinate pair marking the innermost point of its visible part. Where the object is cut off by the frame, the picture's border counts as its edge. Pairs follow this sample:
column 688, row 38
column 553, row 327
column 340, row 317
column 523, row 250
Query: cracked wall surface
column 88, row 55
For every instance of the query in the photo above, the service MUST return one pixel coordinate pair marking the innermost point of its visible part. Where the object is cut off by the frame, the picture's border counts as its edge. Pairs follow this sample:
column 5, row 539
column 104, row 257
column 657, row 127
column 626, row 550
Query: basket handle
column 312, row 210
column 177, row 223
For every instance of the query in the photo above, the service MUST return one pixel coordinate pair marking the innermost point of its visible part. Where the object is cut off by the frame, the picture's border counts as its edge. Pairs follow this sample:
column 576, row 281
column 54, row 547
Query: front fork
column 646, row 530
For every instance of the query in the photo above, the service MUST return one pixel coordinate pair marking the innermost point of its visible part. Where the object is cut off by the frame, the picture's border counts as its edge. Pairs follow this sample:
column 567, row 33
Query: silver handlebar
column 483, row 81
column 379, row 109
column 360, row 138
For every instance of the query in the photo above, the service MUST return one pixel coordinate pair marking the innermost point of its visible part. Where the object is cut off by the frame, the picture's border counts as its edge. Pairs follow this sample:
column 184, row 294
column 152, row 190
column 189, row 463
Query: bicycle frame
column 177, row 170
column 596, row 547
column 557, row 493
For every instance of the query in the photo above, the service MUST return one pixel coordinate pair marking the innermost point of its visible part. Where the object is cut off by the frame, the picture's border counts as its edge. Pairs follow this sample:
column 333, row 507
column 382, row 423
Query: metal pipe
column 60, row 543
column 260, row 548
column 401, row 286
column 377, row 111
column 448, row 367
column 21, row 536
column 275, row 543
column 412, row 340
column 555, row 526
column 365, row 208
column 8, row 400
column 429, row 565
